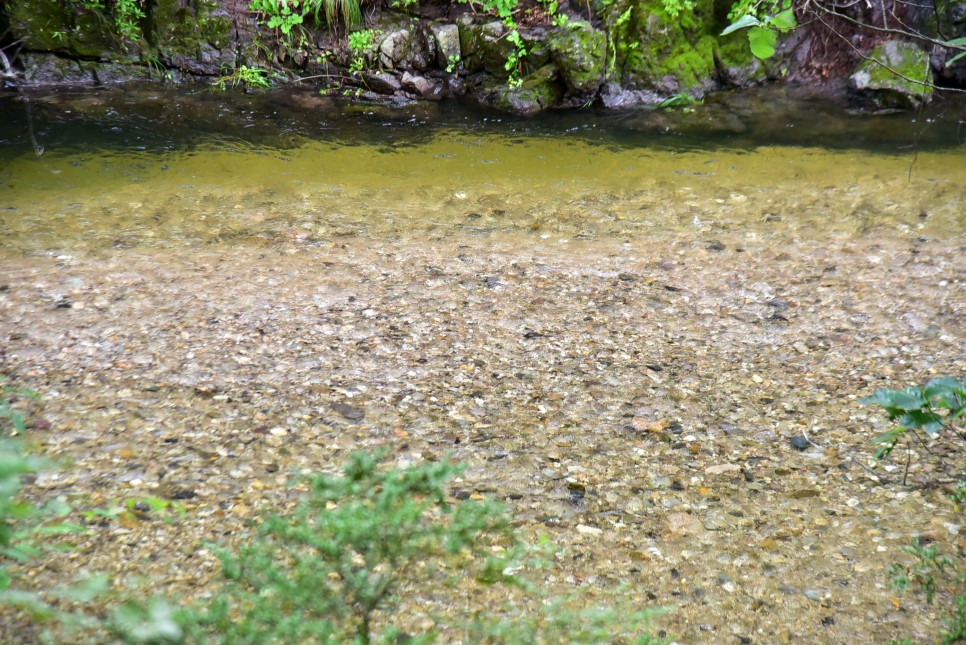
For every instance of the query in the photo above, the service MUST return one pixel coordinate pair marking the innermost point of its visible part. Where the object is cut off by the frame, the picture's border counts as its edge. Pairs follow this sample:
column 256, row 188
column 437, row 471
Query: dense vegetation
column 671, row 47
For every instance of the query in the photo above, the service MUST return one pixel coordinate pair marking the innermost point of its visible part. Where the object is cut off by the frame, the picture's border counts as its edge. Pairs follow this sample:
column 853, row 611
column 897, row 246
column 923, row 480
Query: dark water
column 152, row 118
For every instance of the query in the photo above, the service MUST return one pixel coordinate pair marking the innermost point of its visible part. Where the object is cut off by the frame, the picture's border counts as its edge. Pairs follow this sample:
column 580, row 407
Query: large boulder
column 485, row 47
column 538, row 91
column 580, row 51
column 447, row 37
column 896, row 74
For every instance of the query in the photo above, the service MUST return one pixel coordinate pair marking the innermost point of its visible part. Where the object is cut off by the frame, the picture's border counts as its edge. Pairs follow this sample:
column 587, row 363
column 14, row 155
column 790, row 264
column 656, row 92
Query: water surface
column 159, row 168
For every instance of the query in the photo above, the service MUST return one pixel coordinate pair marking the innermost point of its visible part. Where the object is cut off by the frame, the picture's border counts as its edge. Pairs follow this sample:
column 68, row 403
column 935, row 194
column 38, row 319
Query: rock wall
column 614, row 52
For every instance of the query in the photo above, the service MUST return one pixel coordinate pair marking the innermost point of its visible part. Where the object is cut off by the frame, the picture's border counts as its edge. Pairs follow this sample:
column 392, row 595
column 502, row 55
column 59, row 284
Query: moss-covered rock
column 894, row 74
column 447, row 37
column 52, row 26
column 539, row 91
column 580, row 51
column 484, row 47
column 650, row 50
column 195, row 37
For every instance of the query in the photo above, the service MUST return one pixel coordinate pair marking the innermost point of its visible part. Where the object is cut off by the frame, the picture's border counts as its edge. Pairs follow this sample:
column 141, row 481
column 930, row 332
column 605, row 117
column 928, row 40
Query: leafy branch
column 937, row 408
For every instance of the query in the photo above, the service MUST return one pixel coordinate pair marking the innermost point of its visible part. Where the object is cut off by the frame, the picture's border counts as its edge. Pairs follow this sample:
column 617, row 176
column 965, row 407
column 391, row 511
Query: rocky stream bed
column 676, row 411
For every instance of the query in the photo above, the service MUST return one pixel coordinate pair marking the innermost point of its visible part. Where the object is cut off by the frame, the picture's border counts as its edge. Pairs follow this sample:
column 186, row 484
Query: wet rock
column 539, row 91
column 908, row 86
column 426, row 88
column 799, row 442
column 447, row 44
column 613, row 95
column 381, row 82
column 348, row 411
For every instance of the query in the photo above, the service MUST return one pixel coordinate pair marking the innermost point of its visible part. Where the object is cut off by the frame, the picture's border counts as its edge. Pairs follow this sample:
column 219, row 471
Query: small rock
column 720, row 469
column 583, row 529
column 682, row 525
column 799, row 442
column 348, row 411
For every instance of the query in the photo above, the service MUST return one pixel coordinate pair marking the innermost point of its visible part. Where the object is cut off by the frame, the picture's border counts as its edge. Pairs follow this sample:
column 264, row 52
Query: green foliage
column 552, row 7
column 332, row 570
column 321, row 573
column 22, row 524
column 928, row 564
column 125, row 15
column 361, row 43
column 256, row 77
column 504, row 10
column 956, row 624
column 674, row 8
column 679, row 100
column 515, row 57
column 452, row 63
column 959, row 493
column 556, row 620
column 937, row 407
column 136, row 508
column 286, row 15
column 926, row 572
column 764, row 20
column 956, row 43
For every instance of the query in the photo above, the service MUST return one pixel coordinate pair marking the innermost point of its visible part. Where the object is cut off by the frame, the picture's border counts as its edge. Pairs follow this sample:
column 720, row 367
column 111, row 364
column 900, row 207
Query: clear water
column 152, row 167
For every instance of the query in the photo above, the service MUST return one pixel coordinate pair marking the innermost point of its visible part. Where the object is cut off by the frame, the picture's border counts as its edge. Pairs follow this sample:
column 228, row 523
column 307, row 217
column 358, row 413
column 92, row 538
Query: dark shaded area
column 151, row 118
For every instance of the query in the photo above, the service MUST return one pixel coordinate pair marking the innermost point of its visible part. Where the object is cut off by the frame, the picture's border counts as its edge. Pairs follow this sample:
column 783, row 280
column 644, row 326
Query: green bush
column 321, row 573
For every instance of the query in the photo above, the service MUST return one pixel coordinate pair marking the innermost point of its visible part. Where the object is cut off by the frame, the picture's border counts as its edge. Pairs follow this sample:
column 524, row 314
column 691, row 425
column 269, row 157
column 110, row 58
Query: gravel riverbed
column 678, row 413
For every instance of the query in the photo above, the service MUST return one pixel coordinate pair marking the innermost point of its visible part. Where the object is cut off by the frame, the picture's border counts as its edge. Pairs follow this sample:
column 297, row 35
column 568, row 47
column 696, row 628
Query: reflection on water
column 160, row 169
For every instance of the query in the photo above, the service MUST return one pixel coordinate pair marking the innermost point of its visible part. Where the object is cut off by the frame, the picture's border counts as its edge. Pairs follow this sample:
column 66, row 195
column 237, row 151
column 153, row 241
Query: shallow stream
column 138, row 167
column 644, row 332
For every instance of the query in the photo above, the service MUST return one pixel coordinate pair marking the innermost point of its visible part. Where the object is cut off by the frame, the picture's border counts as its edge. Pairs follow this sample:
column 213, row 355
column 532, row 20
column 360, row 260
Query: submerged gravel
column 677, row 413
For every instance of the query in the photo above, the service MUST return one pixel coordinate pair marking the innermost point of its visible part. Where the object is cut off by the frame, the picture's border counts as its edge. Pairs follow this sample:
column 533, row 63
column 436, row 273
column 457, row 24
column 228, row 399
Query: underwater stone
column 894, row 74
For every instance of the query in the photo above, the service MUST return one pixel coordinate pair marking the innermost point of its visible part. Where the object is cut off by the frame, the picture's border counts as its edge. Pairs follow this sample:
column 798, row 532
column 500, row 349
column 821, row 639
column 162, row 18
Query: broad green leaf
column 783, row 21
column 60, row 529
column 89, row 588
column 942, row 385
column 910, row 398
column 929, row 421
column 762, row 42
column 747, row 20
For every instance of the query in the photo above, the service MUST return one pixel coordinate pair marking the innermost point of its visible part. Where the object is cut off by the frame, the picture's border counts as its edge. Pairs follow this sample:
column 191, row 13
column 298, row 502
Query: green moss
column 181, row 29
column 580, row 51
column 539, row 91
column 48, row 25
column 895, row 74
column 651, row 49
